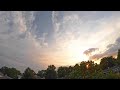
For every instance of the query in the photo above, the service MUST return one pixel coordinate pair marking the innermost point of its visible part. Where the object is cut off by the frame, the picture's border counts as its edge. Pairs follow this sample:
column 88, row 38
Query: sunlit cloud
column 89, row 51
column 79, row 34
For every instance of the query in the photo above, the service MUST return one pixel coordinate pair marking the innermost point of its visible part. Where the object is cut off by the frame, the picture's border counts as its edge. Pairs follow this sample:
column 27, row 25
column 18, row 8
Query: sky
column 37, row 39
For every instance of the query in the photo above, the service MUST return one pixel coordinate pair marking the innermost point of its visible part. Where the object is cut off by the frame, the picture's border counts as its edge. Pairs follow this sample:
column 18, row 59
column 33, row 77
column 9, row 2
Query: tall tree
column 63, row 72
column 11, row 72
column 50, row 72
column 107, row 62
column 4, row 70
column 118, row 57
column 28, row 74
column 83, row 69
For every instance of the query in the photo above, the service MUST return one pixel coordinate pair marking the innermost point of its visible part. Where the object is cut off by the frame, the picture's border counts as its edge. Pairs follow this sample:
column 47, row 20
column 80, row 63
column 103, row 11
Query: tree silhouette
column 50, row 72
column 28, row 74
column 11, row 72
column 63, row 72
column 41, row 73
column 118, row 57
column 107, row 62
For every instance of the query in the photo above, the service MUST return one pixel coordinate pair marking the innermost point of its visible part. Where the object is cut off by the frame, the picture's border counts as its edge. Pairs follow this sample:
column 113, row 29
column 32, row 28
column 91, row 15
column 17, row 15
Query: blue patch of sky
column 43, row 21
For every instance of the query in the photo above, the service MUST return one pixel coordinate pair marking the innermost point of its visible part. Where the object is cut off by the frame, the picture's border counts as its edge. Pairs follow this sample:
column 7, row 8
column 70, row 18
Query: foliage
column 62, row 72
column 28, row 74
column 41, row 73
column 50, row 72
column 11, row 72
column 118, row 57
column 107, row 62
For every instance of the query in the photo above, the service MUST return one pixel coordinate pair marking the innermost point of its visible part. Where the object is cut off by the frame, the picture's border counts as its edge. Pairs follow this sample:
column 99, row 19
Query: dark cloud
column 90, row 50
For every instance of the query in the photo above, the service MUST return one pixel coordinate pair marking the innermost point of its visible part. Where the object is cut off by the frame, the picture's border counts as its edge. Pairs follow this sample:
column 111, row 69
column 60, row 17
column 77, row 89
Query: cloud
column 19, row 46
column 90, row 50
column 82, row 30
column 112, row 50
column 78, row 31
column 55, row 21
column 101, row 55
column 24, row 41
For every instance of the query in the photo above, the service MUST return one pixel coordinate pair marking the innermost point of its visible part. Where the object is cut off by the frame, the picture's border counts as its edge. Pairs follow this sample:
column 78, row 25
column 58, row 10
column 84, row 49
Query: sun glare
column 87, row 66
column 76, row 53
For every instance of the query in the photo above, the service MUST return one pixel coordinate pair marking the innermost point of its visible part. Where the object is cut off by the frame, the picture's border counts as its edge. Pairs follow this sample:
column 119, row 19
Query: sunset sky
column 37, row 39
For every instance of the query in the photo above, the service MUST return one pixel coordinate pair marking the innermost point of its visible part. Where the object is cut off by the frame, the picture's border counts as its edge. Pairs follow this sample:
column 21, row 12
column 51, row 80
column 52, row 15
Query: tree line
column 109, row 68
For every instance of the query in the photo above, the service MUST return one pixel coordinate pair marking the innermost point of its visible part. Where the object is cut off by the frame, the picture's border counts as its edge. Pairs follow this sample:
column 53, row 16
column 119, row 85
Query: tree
column 112, row 75
column 98, row 75
column 4, row 70
column 76, row 67
column 118, row 57
column 50, row 72
column 63, row 72
column 83, row 68
column 88, row 69
column 75, row 75
column 76, row 72
column 11, row 72
column 41, row 73
column 28, row 74
column 107, row 62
